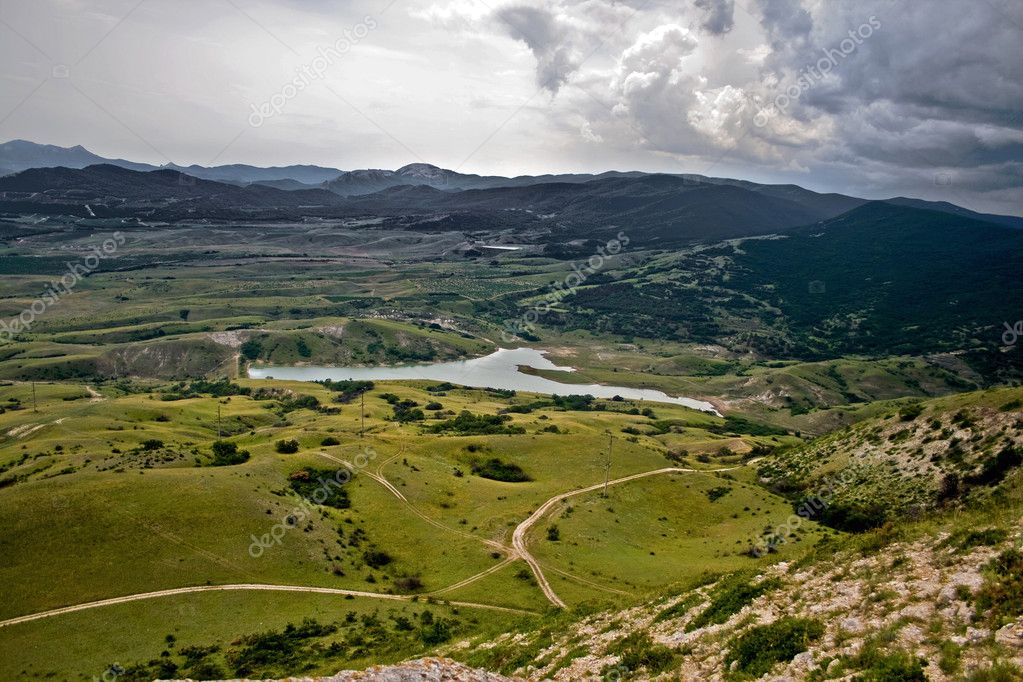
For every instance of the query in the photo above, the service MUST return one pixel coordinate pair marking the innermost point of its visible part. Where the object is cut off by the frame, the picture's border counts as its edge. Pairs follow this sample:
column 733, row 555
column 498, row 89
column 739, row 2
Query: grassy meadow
column 115, row 484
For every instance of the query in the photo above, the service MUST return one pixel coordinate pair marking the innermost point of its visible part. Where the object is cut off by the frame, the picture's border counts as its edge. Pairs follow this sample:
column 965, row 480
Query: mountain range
column 656, row 209
column 19, row 155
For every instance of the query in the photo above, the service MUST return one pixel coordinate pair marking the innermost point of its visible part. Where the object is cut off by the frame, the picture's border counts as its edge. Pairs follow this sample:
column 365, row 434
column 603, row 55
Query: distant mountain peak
column 422, row 170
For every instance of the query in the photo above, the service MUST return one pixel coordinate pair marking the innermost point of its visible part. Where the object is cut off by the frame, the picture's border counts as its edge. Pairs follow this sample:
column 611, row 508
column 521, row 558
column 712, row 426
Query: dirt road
column 519, row 536
column 254, row 587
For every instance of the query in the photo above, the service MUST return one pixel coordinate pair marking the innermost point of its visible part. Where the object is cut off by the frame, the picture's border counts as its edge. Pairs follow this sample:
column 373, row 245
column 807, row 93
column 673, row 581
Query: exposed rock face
column 422, row 670
column 920, row 592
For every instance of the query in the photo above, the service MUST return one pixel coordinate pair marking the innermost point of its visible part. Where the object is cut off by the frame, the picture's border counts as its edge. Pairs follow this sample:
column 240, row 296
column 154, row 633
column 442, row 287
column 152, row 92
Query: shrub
column 999, row 671
column 299, row 402
column 348, row 389
column 496, row 470
column 376, row 558
column 226, row 453
column 733, row 424
column 679, row 608
column 286, row 447
column 895, row 666
column 469, row 424
column 911, row 412
column 252, row 654
column 322, row 486
column 408, row 583
column 437, row 632
column 329, row 440
column 407, row 411
column 968, row 538
column 729, row 597
column 1002, row 591
column 717, row 493
column 575, row 403
column 994, row 470
column 758, row 649
column 251, row 349
column 854, row 517
column 637, row 651
column 553, row 533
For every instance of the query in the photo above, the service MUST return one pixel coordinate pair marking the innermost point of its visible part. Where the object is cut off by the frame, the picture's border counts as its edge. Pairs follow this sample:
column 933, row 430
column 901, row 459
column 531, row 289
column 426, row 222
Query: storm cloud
column 874, row 97
column 720, row 15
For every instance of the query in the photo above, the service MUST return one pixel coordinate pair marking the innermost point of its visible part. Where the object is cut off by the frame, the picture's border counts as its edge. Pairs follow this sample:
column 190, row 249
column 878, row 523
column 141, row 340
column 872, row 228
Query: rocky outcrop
column 422, row 670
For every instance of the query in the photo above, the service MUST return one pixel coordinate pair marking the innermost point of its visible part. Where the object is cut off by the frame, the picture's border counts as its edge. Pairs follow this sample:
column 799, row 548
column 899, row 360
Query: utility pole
column 219, row 432
column 35, row 406
column 607, row 465
column 362, row 404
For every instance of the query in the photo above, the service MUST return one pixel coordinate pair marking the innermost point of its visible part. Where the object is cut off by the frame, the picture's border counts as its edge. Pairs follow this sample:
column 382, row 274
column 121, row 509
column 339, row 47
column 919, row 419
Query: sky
column 874, row 98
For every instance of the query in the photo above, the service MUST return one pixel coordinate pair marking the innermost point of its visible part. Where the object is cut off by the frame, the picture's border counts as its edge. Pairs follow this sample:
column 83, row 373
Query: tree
column 286, row 447
column 226, row 453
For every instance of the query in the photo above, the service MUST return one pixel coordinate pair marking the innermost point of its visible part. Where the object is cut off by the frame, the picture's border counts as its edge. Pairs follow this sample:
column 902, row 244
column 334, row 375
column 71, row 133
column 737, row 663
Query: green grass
column 758, row 649
column 91, row 513
column 116, row 491
column 650, row 533
column 136, row 632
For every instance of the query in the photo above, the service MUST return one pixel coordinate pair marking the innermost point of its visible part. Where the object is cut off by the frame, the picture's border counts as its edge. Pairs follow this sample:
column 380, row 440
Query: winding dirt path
column 520, row 551
column 249, row 587
column 483, row 574
column 521, row 531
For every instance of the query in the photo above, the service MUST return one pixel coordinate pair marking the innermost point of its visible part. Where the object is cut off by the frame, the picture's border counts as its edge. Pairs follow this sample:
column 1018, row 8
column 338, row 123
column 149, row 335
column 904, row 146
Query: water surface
column 500, row 369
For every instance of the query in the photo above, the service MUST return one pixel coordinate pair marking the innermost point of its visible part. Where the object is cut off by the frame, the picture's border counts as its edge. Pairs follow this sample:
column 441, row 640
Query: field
column 116, row 485
column 136, row 456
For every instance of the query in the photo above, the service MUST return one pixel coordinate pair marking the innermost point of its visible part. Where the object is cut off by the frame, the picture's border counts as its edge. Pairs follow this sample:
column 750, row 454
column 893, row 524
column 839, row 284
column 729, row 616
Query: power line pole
column 607, row 465
column 362, row 403
column 35, row 405
column 219, row 432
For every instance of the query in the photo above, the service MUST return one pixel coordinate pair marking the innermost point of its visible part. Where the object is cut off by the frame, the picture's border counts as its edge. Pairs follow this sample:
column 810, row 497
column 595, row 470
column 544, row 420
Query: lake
column 500, row 369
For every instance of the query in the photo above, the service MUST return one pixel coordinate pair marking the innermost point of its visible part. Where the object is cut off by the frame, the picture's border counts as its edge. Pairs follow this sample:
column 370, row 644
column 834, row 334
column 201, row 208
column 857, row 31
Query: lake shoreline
column 501, row 369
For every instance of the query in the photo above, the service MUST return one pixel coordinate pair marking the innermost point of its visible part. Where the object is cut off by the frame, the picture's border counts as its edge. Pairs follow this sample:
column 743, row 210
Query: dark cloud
column 927, row 102
column 785, row 21
column 546, row 37
column 720, row 15
column 917, row 95
column 922, row 89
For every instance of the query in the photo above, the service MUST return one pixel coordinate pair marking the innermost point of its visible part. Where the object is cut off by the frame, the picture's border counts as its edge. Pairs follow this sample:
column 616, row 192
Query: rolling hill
column 877, row 280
